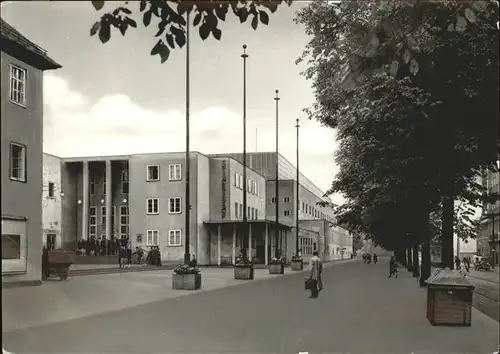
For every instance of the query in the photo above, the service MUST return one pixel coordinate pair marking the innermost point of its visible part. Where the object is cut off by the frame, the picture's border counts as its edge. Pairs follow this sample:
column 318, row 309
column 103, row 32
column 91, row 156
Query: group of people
column 99, row 247
column 367, row 258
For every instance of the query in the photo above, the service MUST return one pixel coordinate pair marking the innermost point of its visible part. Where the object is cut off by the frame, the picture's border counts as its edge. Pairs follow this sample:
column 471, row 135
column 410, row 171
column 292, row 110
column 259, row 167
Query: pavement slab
column 359, row 311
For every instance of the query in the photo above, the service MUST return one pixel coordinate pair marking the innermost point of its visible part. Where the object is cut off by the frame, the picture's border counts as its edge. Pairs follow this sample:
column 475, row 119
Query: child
column 393, row 267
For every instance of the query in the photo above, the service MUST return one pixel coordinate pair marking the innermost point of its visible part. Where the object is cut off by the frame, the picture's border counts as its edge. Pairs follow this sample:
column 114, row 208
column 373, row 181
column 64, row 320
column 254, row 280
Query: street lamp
column 276, row 199
column 245, row 183
column 297, row 198
column 187, row 206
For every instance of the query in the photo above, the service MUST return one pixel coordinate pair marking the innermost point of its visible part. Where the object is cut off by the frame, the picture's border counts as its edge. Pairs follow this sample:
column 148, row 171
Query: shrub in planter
column 297, row 263
column 186, row 278
column 243, row 269
column 277, row 266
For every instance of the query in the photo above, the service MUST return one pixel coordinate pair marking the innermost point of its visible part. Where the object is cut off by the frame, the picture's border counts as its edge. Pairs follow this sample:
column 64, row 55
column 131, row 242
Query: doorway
column 51, row 241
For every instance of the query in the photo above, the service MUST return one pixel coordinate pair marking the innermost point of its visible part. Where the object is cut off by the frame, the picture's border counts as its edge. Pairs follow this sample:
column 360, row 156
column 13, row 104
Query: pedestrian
column 466, row 262
column 315, row 278
column 457, row 263
column 129, row 253
column 375, row 258
column 393, row 267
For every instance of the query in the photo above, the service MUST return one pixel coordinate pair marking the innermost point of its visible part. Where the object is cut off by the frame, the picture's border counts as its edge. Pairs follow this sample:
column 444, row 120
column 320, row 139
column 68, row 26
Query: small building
column 51, row 202
column 22, row 65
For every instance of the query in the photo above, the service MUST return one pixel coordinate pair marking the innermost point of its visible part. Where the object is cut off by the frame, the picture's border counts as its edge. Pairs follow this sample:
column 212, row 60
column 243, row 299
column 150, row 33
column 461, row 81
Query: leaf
column 217, row 33
column 470, row 15
column 197, row 19
column 414, row 67
column 393, row 71
column 170, row 40
column 221, row 11
column 126, row 10
column 461, row 24
column 451, row 27
column 130, row 22
column 142, row 7
column 204, row 31
column 406, row 56
column 242, row 14
column 123, row 28
column 264, row 17
column 98, row 4
column 104, row 32
column 180, row 36
column 95, row 27
column 255, row 22
column 147, row 18
column 161, row 49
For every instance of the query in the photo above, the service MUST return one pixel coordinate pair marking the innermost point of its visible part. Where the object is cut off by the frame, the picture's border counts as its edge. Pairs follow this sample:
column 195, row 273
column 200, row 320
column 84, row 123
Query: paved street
column 487, row 292
column 360, row 310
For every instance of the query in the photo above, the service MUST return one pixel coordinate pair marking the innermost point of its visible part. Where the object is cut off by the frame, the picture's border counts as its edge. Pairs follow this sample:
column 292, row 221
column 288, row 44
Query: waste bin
column 449, row 298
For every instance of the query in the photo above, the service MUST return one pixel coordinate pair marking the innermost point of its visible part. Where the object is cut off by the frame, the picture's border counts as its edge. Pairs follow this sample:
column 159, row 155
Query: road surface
column 360, row 311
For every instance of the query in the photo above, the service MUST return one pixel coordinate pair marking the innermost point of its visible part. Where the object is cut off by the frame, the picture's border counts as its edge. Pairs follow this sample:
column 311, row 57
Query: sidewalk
column 82, row 296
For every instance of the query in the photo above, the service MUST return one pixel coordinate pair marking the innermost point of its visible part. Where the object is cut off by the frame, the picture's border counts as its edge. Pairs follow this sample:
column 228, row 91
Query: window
column 303, row 206
column 174, row 205
column 13, row 246
column 236, row 210
column 240, row 182
column 152, row 206
column 92, row 230
column 174, row 238
column 113, row 213
column 124, row 221
column 124, row 179
column 248, row 212
column 286, row 199
column 241, row 210
column 103, row 216
column 153, row 173
column 17, row 85
column 256, row 214
column 286, row 212
column 92, row 185
column 51, row 189
column 152, row 237
column 104, row 185
column 93, row 215
column 18, row 162
column 174, row 172
column 256, row 188
column 249, row 186
column 273, row 200
column 236, row 179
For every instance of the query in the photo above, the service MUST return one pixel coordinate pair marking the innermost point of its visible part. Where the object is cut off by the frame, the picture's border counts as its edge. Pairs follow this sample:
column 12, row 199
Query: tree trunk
column 447, row 234
column 416, row 267
column 409, row 261
column 425, row 270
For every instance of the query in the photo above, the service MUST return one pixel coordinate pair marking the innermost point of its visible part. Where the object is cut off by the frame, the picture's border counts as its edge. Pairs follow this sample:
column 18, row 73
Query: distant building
column 23, row 64
column 488, row 239
column 142, row 197
column 51, row 202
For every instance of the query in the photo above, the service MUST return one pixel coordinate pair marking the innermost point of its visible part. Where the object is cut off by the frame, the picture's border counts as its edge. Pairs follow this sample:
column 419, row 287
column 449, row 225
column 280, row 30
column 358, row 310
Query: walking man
column 315, row 281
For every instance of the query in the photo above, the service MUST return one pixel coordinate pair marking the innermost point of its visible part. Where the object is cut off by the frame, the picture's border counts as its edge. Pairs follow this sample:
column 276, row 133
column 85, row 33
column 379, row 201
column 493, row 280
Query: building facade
column 488, row 238
column 142, row 197
column 22, row 65
column 51, row 202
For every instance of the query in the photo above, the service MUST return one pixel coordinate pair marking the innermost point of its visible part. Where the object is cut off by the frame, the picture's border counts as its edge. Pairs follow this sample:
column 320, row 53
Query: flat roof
column 239, row 221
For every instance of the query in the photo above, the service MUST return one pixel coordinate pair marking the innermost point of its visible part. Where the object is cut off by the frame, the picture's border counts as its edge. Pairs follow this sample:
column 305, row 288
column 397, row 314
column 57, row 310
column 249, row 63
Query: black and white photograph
column 243, row 176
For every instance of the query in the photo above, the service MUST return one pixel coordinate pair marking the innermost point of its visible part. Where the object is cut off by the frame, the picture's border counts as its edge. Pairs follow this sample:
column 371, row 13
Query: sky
column 116, row 98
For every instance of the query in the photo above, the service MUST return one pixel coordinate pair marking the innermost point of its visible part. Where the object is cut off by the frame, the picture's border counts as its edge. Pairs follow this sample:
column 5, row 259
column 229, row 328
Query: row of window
column 124, row 184
column 153, row 172
column 306, row 208
column 153, row 206
column 252, row 213
column 252, row 186
column 174, row 238
column 124, row 219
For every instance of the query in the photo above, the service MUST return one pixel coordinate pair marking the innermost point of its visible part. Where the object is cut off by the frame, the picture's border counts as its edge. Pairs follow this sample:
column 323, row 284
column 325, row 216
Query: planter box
column 276, row 269
column 186, row 281
column 449, row 299
column 243, row 273
column 297, row 265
